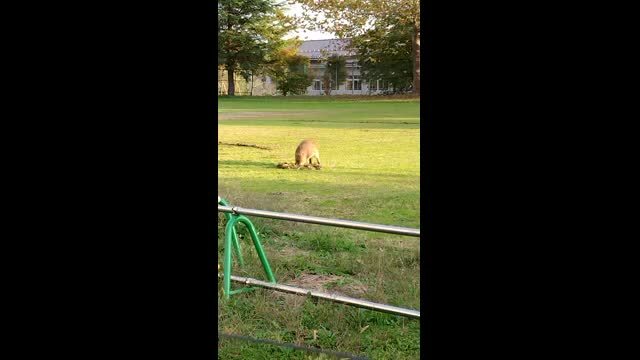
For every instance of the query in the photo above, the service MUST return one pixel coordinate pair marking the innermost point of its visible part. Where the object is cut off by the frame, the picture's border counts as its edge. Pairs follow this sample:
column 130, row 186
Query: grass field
column 370, row 152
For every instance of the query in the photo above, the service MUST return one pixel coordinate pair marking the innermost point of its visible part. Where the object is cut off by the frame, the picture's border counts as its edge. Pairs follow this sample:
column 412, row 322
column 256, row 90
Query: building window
column 333, row 85
column 354, row 83
column 357, row 84
column 373, row 86
column 317, row 85
column 352, row 64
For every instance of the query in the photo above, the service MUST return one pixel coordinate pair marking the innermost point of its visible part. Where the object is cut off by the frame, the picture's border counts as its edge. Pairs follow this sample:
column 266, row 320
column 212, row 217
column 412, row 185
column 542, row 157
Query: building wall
column 315, row 50
column 262, row 85
column 346, row 88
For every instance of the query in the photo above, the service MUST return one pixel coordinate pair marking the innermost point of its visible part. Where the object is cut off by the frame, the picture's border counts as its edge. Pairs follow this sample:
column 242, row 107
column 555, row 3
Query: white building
column 316, row 50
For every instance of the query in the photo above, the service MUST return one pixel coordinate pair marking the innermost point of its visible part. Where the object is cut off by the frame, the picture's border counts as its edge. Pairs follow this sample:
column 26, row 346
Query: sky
column 296, row 10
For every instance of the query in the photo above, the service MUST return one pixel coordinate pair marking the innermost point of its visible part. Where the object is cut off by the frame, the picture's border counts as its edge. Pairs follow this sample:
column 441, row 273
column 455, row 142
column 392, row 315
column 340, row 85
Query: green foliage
column 249, row 33
column 362, row 19
column 335, row 72
column 290, row 71
column 351, row 18
column 385, row 54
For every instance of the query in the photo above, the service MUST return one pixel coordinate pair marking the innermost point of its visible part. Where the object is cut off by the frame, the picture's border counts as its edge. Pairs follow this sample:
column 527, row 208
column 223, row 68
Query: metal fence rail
column 331, row 297
column 235, row 214
column 321, row 221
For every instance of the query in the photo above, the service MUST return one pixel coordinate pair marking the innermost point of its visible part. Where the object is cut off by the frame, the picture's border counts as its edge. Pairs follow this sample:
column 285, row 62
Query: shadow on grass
column 248, row 163
column 364, row 173
column 322, row 124
column 377, row 203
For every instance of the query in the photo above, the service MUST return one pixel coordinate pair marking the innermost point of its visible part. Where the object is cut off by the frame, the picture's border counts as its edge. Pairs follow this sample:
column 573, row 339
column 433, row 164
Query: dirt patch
column 246, row 145
column 324, row 283
column 313, row 281
column 354, row 288
column 286, row 165
column 259, row 114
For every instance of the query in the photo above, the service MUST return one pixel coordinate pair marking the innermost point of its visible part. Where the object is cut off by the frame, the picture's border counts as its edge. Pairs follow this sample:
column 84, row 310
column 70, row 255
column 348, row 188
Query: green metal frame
column 231, row 241
column 236, row 243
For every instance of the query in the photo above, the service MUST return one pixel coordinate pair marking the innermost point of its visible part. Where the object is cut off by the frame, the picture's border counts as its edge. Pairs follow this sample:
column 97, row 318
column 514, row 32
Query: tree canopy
column 250, row 32
column 385, row 54
column 290, row 70
column 335, row 72
column 366, row 18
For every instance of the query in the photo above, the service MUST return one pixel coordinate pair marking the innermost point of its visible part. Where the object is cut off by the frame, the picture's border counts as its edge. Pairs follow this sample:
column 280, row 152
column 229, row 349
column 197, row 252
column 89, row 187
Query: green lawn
column 370, row 152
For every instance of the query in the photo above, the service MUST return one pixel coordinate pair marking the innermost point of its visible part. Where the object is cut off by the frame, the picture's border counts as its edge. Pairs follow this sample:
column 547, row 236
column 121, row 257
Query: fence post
column 236, row 243
column 231, row 241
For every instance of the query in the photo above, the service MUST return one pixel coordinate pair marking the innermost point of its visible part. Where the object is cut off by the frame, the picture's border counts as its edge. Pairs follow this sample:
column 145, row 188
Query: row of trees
column 250, row 37
column 384, row 33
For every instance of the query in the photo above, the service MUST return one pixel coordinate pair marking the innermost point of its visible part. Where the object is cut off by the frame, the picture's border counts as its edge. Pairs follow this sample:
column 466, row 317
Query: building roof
column 313, row 48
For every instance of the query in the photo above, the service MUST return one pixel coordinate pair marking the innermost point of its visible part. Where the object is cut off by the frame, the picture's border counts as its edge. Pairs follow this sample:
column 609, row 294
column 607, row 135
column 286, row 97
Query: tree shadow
column 248, row 163
column 364, row 173
column 323, row 124
column 388, row 204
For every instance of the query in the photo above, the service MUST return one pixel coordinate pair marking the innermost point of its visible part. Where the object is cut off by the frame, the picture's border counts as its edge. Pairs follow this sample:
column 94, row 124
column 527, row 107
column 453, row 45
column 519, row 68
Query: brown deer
column 306, row 151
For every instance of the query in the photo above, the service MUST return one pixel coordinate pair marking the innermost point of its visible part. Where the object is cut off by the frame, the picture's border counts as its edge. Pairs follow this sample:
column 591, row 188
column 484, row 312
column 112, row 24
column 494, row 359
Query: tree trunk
column 251, row 93
column 415, row 40
column 231, row 81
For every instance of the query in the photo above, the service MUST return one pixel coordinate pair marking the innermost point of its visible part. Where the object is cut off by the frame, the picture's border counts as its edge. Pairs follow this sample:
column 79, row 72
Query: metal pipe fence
column 321, row 221
column 326, row 296
column 234, row 214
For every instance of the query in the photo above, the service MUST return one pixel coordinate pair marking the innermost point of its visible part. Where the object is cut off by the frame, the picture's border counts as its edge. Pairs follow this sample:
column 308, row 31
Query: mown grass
column 370, row 152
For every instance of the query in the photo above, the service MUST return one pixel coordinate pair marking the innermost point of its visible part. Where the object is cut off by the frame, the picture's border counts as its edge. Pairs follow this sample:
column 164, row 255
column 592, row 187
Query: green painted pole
column 236, row 246
column 258, row 246
column 226, row 281
column 230, row 237
column 236, row 243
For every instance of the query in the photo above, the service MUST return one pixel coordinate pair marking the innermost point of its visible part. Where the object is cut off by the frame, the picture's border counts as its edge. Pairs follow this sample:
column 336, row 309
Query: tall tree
column 249, row 33
column 385, row 54
column 290, row 70
column 335, row 72
column 353, row 18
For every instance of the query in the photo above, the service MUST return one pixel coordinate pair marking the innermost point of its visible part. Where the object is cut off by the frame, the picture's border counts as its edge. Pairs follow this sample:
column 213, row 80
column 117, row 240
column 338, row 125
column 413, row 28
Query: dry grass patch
column 325, row 283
